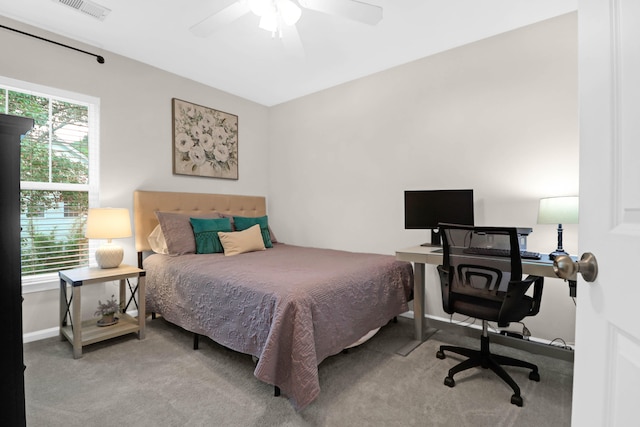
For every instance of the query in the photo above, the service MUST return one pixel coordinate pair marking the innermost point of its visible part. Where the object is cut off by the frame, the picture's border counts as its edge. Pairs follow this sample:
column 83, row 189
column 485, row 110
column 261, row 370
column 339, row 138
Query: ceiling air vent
column 87, row 7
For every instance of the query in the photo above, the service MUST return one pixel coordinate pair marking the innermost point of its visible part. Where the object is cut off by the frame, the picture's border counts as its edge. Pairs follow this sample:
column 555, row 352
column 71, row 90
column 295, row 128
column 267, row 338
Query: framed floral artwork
column 205, row 141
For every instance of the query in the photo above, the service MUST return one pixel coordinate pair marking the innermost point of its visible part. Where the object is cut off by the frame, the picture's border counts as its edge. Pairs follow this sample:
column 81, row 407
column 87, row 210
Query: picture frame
column 205, row 141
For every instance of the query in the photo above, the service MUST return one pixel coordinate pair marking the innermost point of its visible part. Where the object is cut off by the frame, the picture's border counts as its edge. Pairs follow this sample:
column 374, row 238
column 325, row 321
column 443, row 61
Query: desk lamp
column 108, row 223
column 558, row 210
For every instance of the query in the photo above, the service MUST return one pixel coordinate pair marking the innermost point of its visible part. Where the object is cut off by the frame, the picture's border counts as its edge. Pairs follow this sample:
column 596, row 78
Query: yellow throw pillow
column 239, row 242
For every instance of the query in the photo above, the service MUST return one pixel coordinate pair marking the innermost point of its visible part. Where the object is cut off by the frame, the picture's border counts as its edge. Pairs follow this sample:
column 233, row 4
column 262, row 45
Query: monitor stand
column 435, row 239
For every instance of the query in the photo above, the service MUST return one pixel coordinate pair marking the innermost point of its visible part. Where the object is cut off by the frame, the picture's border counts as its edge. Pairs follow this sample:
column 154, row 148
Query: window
column 58, row 176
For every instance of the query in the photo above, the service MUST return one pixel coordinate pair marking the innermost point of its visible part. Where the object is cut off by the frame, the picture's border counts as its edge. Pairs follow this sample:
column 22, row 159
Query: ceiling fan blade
column 214, row 22
column 292, row 42
column 351, row 9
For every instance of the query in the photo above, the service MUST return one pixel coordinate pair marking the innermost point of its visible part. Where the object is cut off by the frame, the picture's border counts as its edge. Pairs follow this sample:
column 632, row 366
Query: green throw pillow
column 244, row 222
column 205, row 232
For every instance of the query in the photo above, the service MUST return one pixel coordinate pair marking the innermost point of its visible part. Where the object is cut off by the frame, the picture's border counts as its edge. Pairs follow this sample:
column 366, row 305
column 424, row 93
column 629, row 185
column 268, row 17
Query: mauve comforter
column 289, row 306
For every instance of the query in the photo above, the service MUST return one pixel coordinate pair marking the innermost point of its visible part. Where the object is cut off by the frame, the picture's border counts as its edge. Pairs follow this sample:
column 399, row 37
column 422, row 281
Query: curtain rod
column 99, row 58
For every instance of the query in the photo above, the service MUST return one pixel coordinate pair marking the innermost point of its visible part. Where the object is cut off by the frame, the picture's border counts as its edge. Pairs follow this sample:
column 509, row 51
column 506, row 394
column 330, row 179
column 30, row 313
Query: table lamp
column 108, row 223
column 558, row 210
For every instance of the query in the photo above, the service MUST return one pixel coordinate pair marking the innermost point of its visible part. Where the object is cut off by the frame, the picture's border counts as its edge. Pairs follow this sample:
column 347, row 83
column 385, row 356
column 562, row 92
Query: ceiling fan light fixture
column 289, row 11
column 261, row 7
column 275, row 13
column 269, row 22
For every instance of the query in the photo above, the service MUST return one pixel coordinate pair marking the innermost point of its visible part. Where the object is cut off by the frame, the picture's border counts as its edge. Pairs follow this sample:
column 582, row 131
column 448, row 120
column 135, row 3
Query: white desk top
column 433, row 255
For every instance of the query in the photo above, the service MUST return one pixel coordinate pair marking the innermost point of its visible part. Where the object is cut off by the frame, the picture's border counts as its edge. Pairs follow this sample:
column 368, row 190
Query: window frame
column 47, row 281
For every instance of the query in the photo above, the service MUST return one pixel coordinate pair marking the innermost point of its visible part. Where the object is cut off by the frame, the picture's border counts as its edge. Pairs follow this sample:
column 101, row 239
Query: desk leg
column 418, row 310
column 76, row 295
column 418, row 302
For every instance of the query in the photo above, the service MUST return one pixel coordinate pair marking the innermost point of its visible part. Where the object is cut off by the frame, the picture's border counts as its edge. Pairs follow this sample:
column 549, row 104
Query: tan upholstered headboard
column 147, row 203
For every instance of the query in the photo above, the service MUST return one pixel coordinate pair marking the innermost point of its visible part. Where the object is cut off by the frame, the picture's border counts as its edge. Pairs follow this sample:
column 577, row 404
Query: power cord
column 524, row 335
column 564, row 344
column 493, row 328
column 464, row 322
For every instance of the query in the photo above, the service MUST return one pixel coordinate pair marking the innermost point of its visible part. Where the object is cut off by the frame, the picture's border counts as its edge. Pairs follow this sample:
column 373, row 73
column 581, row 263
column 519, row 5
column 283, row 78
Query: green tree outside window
column 54, row 153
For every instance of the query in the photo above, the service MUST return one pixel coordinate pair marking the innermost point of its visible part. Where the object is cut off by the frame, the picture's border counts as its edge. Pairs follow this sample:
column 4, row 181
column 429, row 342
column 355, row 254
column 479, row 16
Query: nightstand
column 81, row 333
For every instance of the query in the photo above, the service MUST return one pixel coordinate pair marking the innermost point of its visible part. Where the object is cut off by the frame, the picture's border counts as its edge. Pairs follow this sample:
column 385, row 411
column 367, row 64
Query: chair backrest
column 482, row 267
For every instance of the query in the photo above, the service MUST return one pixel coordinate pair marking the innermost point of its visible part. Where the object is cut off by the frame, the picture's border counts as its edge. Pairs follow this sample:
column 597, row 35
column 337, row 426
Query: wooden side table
column 81, row 333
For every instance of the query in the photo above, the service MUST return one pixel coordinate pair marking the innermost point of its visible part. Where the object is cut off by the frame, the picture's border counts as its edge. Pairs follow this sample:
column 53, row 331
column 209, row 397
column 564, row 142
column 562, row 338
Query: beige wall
column 135, row 133
column 499, row 116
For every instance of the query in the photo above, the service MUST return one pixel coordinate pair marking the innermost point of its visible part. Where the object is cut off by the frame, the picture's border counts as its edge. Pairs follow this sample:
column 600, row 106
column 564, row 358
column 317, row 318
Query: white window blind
column 58, row 175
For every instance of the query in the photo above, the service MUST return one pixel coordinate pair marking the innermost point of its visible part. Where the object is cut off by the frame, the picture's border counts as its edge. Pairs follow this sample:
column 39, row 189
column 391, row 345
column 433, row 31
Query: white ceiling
column 246, row 61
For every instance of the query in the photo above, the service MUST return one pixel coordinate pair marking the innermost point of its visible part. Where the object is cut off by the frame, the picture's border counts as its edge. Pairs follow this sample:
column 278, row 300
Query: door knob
column 566, row 268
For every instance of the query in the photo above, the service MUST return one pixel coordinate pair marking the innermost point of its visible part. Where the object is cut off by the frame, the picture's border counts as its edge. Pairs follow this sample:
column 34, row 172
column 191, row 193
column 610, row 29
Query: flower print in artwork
column 205, row 141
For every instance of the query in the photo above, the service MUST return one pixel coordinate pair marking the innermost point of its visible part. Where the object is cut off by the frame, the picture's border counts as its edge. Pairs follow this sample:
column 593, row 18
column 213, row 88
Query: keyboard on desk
column 500, row 252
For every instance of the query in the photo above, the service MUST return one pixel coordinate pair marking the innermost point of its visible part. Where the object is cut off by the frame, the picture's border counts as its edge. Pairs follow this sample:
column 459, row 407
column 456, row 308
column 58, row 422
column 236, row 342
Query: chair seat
column 488, row 309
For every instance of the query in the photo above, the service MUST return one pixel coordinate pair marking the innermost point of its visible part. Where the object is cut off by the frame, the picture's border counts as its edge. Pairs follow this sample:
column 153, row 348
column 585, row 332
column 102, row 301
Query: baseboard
column 40, row 335
column 54, row 332
column 532, row 344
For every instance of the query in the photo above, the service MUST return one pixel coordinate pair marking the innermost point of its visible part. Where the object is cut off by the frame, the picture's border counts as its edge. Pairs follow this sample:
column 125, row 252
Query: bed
column 288, row 306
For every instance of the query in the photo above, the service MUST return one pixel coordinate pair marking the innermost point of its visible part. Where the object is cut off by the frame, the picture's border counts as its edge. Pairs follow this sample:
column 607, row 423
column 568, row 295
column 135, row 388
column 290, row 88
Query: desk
column 422, row 255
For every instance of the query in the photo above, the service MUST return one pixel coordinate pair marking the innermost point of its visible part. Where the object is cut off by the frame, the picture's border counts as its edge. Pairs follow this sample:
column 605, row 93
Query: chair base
column 486, row 360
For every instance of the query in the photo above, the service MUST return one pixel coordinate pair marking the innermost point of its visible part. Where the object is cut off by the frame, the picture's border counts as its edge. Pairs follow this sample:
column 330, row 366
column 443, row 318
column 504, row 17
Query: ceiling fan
column 280, row 16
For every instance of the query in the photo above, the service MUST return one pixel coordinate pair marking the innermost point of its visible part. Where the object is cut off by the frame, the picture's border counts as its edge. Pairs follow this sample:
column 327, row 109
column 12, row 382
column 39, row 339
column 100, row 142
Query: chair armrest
column 516, row 293
column 445, row 288
column 538, row 283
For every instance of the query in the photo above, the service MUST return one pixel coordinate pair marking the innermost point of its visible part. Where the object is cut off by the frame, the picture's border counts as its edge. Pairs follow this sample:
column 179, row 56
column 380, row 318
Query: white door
column 607, row 359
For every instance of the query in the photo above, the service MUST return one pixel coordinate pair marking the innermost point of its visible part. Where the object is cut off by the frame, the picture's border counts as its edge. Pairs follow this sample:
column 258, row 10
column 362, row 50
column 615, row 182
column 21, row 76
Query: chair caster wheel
column 440, row 354
column 449, row 382
column 516, row 400
column 534, row 376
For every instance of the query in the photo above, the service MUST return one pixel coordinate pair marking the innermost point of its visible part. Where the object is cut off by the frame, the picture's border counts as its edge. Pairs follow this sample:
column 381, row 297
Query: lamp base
column 109, row 255
column 559, row 249
column 556, row 253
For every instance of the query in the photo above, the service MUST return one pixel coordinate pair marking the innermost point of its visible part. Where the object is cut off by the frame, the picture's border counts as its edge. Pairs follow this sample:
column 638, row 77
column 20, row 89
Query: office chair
column 488, row 287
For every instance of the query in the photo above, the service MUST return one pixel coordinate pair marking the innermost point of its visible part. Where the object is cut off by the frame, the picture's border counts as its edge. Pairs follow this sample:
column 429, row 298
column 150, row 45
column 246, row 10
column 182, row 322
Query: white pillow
column 239, row 242
column 157, row 242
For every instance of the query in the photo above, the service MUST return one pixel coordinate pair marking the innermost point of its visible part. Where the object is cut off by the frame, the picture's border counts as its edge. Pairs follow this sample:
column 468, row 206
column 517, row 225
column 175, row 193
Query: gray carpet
column 162, row 381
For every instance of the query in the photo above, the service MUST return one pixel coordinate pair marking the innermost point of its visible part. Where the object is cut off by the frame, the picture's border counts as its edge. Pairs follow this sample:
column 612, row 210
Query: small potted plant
column 107, row 311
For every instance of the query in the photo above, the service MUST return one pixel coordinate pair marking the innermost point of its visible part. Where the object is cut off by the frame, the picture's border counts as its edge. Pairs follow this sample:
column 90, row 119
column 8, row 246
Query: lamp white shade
column 108, row 223
column 558, row 210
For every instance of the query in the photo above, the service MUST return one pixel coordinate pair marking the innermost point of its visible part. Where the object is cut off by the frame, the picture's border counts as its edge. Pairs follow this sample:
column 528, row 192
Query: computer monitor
column 427, row 208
